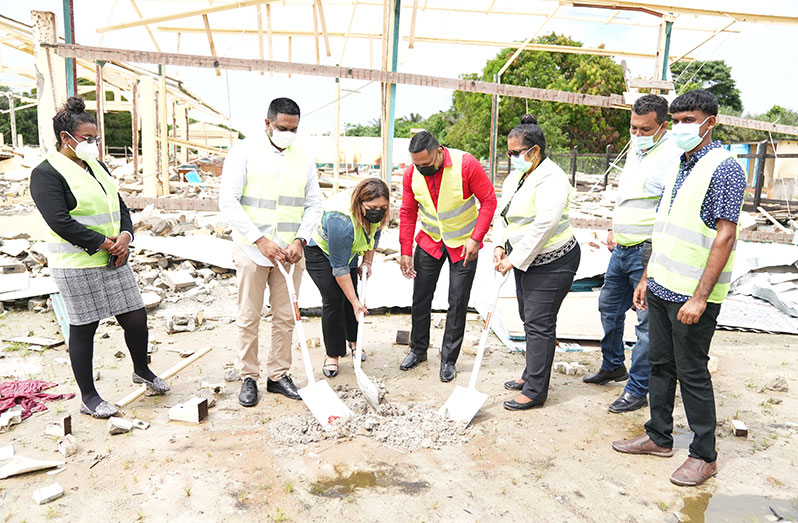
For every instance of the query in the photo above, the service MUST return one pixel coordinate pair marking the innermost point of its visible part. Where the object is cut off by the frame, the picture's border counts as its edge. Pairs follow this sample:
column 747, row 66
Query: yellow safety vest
column 275, row 203
column 454, row 218
column 681, row 240
column 97, row 209
column 342, row 203
column 636, row 210
column 521, row 212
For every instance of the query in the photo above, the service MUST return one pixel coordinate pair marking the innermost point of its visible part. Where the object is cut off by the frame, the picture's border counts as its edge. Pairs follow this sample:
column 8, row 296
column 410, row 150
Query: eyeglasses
column 512, row 154
column 88, row 139
column 91, row 139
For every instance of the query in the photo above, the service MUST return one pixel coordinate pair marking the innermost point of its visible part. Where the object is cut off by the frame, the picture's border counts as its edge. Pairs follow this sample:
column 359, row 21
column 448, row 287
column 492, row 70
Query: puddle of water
column 343, row 485
column 706, row 507
column 681, row 437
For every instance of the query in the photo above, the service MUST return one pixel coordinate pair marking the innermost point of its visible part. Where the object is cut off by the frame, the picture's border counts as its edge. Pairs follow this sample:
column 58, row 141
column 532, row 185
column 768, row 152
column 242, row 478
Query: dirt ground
column 549, row 464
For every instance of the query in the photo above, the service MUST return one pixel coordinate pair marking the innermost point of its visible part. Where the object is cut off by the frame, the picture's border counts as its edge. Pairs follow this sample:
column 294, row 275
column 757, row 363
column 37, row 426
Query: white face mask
column 88, row 152
column 283, row 139
column 688, row 135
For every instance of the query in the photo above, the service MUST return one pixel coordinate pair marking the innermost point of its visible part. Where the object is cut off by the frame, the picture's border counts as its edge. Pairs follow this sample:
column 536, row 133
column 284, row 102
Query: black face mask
column 428, row 170
column 374, row 215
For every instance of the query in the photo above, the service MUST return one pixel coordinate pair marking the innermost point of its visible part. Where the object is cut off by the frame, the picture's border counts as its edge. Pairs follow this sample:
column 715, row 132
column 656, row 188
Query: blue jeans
column 623, row 275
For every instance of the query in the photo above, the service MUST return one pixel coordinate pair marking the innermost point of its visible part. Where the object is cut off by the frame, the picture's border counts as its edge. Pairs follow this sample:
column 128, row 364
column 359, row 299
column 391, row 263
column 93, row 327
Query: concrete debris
column 119, row 354
column 411, row 428
column 313, row 343
column 60, row 428
column 151, row 300
column 739, row 429
column 194, row 410
column 179, row 280
column 216, row 388
column 777, row 384
column 181, row 323
column 47, row 494
column 232, row 375
column 140, row 424
column 21, row 465
column 117, row 425
column 68, row 445
column 12, row 416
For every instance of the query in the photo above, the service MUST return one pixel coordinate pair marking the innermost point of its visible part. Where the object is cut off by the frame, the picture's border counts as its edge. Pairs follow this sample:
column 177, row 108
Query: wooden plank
column 773, row 220
column 640, row 83
column 260, row 36
column 375, row 75
column 412, row 36
column 323, row 27
column 316, row 31
column 183, row 14
column 209, row 34
column 693, row 11
column 172, row 204
column 147, row 27
column 35, row 340
column 269, row 32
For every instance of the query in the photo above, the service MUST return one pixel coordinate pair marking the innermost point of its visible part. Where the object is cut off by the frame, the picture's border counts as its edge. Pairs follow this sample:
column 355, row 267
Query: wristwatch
column 303, row 240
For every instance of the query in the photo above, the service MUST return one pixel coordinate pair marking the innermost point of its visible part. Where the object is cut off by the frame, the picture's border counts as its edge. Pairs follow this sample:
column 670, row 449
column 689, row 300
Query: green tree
column 565, row 126
column 714, row 76
column 27, row 125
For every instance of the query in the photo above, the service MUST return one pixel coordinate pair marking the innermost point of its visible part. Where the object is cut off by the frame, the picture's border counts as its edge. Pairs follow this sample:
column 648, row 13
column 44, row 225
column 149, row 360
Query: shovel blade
column 369, row 389
column 323, row 403
column 463, row 405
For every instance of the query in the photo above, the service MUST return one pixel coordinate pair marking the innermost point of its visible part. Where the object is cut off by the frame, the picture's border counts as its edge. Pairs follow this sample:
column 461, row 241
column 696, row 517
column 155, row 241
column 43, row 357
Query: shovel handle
column 360, row 321
column 483, row 338
column 300, row 332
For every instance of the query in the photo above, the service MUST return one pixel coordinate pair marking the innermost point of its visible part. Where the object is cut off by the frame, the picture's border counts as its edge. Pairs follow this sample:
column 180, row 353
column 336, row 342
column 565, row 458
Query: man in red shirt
column 441, row 190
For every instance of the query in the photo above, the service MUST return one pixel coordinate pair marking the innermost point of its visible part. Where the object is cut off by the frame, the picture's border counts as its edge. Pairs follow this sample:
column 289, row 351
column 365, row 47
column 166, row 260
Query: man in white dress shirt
column 270, row 195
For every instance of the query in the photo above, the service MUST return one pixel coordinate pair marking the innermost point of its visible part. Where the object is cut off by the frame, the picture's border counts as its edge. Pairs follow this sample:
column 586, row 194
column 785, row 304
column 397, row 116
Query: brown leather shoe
column 694, row 472
column 642, row 444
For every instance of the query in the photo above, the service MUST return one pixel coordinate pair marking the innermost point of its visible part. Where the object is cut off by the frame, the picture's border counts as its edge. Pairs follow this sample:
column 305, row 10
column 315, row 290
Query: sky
column 761, row 73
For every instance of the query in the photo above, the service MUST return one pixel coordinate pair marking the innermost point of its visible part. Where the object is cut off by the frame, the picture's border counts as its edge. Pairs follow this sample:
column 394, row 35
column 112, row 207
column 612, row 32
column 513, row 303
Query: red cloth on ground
column 29, row 395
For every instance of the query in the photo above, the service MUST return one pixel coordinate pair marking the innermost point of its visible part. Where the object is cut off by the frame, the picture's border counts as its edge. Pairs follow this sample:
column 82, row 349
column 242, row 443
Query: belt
column 636, row 246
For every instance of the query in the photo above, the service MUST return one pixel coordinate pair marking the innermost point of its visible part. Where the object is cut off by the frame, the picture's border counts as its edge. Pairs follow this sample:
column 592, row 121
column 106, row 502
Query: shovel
column 367, row 386
column 464, row 403
column 325, row 406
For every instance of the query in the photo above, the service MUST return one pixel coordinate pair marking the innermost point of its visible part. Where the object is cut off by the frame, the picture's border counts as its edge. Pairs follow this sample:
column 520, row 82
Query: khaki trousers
column 252, row 282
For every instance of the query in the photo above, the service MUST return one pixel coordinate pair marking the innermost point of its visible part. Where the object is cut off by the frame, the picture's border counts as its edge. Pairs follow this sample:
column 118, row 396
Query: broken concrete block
column 194, row 410
column 778, row 384
column 59, row 428
column 563, row 367
column 151, row 300
column 232, row 375
column 313, row 343
column 187, row 266
column 206, row 275
column 14, row 248
column 179, row 280
column 140, row 424
column 117, row 425
column 438, row 321
column 712, row 364
column 47, row 494
column 181, row 323
column 148, row 277
column 580, row 369
column 739, row 428
column 12, row 416
column 216, row 388
column 402, row 337
column 67, row 445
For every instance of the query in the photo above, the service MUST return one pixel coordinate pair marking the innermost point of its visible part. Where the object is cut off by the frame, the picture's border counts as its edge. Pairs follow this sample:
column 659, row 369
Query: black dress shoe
column 513, row 385
column 514, row 405
column 284, row 386
column 627, row 403
column 412, row 359
column 248, row 397
column 448, row 372
column 605, row 376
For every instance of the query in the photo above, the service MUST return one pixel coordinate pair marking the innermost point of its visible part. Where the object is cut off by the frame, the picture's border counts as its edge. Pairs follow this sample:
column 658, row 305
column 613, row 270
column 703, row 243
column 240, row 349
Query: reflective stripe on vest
column 681, row 241
column 275, row 203
column 97, row 209
column 634, row 215
column 455, row 218
column 341, row 204
column 521, row 213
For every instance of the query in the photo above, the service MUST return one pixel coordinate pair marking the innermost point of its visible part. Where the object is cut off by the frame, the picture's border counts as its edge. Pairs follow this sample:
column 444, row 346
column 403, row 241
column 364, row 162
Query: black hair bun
column 75, row 104
column 529, row 119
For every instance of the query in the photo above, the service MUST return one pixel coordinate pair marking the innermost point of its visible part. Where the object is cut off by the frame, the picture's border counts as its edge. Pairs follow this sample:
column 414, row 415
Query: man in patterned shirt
column 687, row 278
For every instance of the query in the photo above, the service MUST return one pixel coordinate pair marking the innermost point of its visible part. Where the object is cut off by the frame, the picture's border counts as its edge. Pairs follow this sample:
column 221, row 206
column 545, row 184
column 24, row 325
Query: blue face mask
column 520, row 163
column 687, row 136
column 644, row 143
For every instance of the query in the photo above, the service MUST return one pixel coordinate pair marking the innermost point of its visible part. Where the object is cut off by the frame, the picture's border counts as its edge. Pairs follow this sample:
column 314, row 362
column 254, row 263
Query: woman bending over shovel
column 350, row 227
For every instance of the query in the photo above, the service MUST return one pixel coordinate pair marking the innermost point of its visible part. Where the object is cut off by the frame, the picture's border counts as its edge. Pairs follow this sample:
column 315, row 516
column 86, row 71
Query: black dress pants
column 540, row 290
column 428, row 269
column 338, row 322
column 681, row 352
